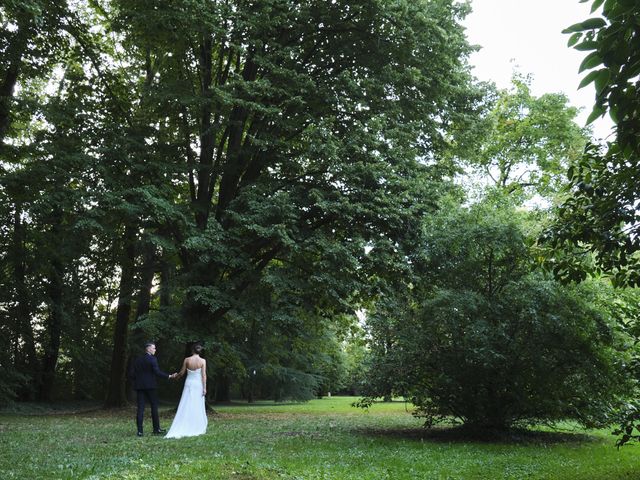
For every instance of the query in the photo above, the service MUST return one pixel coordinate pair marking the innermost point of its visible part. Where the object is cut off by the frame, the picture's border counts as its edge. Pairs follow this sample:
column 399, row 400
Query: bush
column 10, row 382
column 485, row 338
column 535, row 352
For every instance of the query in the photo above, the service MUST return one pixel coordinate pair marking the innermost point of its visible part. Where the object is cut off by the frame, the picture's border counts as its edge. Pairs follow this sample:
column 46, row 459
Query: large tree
column 293, row 127
column 527, row 142
column 218, row 146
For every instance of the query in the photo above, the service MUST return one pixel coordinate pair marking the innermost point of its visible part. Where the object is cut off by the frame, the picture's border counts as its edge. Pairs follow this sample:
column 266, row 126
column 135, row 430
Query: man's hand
column 172, row 376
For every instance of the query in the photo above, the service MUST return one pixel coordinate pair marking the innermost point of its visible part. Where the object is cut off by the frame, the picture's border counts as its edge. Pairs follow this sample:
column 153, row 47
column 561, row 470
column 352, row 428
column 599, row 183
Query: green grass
column 322, row 439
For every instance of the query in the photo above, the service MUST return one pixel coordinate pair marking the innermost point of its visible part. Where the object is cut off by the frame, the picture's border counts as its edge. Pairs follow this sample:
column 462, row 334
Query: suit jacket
column 144, row 371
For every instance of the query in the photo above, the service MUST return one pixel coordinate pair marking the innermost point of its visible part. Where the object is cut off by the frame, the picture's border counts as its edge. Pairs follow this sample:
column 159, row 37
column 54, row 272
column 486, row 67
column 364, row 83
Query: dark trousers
column 151, row 396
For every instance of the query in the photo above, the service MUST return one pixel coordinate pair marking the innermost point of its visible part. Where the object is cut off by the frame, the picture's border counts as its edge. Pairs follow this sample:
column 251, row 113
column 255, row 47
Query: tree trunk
column 116, row 394
column 250, row 397
column 25, row 336
column 165, row 283
column 223, row 389
column 53, row 332
column 13, row 58
column 202, row 204
column 53, row 325
column 147, row 272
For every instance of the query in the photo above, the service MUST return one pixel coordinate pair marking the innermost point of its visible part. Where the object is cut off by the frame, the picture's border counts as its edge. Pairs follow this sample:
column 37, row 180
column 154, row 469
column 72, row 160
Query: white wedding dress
column 191, row 418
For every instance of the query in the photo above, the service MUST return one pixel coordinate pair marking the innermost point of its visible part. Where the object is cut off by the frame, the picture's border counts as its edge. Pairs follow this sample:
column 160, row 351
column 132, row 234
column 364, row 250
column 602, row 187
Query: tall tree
column 292, row 124
column 240, row 140
column 32, row 40
column 528, row 141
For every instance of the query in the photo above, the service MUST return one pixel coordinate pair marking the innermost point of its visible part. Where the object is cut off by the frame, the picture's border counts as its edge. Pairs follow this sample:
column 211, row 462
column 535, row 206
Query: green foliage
column 598, row 220
column 615, row 48
column 355, row 352
column 532, row 353
column 628, row 424
column 485, row 339
column 527, row 141
column 599, row 217
column 597, row 226
column 11, row 384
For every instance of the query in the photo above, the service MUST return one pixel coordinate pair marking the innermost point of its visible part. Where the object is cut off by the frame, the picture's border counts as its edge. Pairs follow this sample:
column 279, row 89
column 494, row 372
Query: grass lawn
column 321, row 439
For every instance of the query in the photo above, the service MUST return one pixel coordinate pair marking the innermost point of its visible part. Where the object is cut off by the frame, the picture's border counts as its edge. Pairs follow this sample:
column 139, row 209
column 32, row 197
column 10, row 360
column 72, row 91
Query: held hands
column 173, row 376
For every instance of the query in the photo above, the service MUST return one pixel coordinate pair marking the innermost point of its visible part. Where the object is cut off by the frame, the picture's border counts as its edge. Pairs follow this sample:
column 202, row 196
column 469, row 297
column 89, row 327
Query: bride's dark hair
column 197, row 348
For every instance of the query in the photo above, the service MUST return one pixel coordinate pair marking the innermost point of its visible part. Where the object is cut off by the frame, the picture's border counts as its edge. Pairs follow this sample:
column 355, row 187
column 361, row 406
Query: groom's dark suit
column 144, row 371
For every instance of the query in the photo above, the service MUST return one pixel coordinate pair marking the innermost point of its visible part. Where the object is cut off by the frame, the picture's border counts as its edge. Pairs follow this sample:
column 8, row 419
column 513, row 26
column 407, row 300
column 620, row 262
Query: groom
column 144, row 371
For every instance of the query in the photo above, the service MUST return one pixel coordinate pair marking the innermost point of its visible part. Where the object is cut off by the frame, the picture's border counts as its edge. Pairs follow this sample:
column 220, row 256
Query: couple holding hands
column 191, row 418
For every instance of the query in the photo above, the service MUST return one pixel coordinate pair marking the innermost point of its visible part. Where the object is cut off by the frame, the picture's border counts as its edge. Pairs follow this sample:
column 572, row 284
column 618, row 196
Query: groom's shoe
column 140, row 434
column 159, row 431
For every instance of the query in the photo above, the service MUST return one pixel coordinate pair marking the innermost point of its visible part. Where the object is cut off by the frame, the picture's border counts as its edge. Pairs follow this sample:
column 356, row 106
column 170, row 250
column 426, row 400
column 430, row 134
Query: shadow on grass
column 461, row 434
column 257, row 404
column 89, row 408
column 50, row 408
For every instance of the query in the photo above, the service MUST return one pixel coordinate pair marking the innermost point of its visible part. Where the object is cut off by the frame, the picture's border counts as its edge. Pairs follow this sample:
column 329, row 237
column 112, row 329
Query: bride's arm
column 183, row 370
column 204, row 377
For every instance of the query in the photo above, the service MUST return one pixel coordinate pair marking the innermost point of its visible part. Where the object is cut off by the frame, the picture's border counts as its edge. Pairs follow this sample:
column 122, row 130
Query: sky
column 526, row 34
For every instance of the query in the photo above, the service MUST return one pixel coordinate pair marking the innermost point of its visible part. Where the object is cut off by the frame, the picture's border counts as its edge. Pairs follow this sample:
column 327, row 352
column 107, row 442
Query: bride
column 191, row 418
